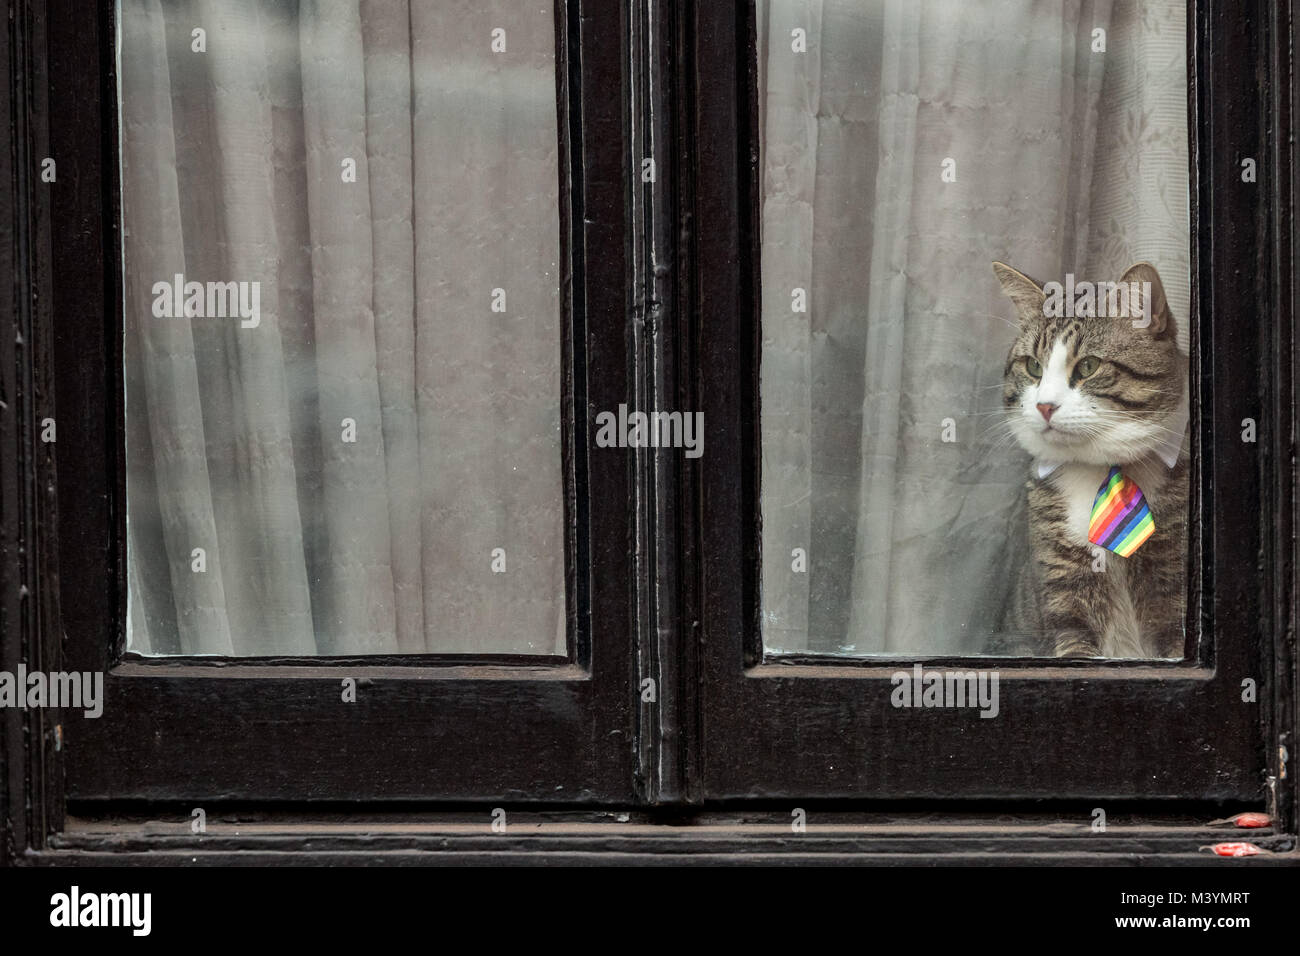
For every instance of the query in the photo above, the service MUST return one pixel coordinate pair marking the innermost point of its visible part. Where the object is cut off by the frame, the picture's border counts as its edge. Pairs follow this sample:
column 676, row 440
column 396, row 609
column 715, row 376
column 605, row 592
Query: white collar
column 1169, row 447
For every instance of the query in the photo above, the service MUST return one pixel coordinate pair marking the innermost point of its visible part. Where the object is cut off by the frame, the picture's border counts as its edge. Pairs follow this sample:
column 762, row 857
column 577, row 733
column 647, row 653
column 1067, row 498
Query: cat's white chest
column 1078, row 484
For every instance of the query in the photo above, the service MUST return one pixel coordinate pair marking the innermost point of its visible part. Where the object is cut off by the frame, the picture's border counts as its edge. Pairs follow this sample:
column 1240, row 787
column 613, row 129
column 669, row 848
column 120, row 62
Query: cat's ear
column 1027, row 294
column 1145, row 276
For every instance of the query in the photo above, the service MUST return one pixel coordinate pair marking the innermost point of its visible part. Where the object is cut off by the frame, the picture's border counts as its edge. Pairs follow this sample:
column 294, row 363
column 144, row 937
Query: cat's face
column 1094, row 390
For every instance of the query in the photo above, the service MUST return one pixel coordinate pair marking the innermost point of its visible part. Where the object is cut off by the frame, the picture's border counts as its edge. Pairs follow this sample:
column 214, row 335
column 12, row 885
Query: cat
column 1082, row 395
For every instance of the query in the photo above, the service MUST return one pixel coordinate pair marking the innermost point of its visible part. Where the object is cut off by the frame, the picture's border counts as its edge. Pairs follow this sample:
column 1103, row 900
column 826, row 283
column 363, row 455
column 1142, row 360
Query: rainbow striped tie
column 1120, row 520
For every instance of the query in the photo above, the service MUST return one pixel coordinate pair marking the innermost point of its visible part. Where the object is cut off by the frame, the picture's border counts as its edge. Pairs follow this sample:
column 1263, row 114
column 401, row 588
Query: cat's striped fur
column 1129, row 411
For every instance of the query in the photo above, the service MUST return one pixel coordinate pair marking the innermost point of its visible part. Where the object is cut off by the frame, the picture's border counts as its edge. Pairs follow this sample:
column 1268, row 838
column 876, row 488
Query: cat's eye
column 1032, row 367
column 1086, row 366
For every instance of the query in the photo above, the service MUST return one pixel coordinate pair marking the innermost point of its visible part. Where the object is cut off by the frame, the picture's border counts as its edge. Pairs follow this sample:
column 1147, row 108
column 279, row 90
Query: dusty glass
column 956, row 459
column 343, row 327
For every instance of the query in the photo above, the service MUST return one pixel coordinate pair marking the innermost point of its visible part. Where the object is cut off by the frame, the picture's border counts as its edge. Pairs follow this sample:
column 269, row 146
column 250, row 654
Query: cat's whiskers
column 1135, row 418
column 1001, row 444
column 996, row 433
column 1003, row 423
column 1010, row 323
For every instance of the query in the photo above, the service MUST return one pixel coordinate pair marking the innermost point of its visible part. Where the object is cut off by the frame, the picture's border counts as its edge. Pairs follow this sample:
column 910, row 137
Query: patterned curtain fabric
column 375, row 465
column 1066, row 158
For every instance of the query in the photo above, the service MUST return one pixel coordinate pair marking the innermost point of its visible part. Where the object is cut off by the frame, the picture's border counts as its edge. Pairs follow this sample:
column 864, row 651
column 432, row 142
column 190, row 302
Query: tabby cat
column 1083, row 395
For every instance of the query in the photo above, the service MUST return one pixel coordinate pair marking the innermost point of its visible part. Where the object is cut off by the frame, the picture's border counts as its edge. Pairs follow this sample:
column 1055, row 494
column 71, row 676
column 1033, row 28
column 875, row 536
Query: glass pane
column 958, row 460
column 343, row 327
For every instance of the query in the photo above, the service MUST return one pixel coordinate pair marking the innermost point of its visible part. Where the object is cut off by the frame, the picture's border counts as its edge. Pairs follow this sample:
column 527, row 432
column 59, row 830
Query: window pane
column 343, row 327
column 956, row 461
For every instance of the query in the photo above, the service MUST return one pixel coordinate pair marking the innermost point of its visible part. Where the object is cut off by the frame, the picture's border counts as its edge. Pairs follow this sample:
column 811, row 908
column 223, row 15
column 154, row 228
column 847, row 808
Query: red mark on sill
column 1235, row 849
column 1246, row 820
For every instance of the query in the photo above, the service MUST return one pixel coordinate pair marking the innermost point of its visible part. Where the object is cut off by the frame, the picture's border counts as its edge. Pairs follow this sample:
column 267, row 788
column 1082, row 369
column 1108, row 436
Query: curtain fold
column 881, row 450
column 791, row 108
column 162, row 380
column 488, row 381
column 387, row 47
column 245, row 394
column 358, row 596
column 349, row 465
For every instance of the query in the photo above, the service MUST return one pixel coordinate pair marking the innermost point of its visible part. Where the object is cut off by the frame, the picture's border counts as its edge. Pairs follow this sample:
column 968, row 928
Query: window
column 904, row 152
column 343, row 315
column 338, row 446
column 826, row 708
column 340, row 586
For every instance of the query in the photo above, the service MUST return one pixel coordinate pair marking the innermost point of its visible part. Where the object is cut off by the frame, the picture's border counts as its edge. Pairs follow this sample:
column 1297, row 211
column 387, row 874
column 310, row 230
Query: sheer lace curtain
column 375, row 466
column 1067, row 159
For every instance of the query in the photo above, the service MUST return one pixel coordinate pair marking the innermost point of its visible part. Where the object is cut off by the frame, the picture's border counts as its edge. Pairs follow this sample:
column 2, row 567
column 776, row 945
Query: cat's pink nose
column 1045, row 409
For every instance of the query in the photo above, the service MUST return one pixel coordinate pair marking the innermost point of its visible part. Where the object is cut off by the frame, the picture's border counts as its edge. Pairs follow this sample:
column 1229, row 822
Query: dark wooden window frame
column 1071, row 729
column 676, row 558
column 453, row 727
column 426, row 727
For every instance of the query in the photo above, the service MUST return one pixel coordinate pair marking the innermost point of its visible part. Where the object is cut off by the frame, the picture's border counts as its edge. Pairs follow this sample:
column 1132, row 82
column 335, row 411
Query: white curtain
column 440, row 526
column 1067, row 158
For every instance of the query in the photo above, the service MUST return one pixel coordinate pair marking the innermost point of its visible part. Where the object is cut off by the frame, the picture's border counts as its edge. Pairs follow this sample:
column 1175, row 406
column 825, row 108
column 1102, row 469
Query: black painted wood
column 13, row 475
column 903, row 839
column 31, row 785
column 1280, row 740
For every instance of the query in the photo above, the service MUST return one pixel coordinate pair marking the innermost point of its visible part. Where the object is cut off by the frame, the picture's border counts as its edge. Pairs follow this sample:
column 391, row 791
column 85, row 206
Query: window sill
column 633, row 838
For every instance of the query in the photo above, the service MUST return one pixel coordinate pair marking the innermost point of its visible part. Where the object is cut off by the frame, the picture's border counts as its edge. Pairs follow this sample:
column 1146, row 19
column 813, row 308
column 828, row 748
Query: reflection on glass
column 342, row 350
column 958, row 461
